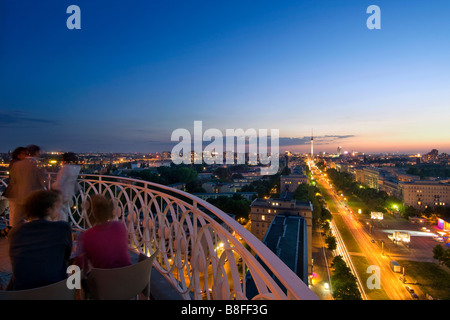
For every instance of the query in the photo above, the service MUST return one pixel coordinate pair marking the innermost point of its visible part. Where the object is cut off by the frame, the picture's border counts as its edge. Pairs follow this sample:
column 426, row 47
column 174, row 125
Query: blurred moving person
column 20, row 153
column 26, row 178
column 66, row 183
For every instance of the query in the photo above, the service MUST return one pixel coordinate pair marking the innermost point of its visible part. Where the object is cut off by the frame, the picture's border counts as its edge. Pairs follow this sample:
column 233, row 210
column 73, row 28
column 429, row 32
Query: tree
column 428, row 211
column 236, row 205
column 264, row 186
column 326, row 214
column 373, row 199
column 331, row 242
column 410, row 211
column 442, row 255
column 326, row 227
column 343, row 281
column 308, row 193
column 224, row 174
column 237, row 176
column 438, row 253
column 447, row 258
column 302, row 192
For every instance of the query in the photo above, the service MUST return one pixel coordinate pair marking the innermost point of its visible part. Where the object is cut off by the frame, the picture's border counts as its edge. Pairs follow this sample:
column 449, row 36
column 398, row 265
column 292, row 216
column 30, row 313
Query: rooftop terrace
column 203, row 252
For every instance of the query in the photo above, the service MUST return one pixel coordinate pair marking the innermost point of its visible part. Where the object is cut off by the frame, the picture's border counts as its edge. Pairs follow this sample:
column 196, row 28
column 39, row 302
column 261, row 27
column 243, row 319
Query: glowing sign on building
column 443, row 225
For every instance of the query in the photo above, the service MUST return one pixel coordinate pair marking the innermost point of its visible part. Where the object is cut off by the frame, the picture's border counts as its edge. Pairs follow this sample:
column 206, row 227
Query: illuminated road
column 390, row 282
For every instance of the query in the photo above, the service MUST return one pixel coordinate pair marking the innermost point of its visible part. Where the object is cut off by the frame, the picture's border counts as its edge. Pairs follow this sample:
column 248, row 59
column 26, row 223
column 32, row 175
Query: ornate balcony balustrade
column 203, row 252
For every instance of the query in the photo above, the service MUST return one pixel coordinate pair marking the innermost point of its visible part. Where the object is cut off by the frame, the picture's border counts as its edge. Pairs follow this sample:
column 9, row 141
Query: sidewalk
column 320, row 271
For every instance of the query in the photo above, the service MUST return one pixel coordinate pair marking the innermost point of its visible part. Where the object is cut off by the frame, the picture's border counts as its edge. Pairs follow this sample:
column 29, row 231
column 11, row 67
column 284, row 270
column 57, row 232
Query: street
column 389, row 280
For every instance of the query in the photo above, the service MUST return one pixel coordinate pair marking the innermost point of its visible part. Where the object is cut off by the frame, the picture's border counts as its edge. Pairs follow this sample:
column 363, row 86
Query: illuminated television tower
column 312, row 144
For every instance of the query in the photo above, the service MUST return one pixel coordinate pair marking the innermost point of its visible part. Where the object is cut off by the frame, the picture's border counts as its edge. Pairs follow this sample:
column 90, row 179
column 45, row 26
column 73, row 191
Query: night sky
column 138, row 70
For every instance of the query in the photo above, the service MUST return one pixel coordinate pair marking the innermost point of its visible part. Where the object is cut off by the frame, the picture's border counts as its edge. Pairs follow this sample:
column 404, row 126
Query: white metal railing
column 202, row 250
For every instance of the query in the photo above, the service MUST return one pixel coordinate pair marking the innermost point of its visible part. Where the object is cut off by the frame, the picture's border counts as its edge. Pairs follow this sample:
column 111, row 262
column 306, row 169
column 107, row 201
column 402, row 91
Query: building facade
column 289, row 183
column 368, row 176
column 263, row 212
column 423, row 194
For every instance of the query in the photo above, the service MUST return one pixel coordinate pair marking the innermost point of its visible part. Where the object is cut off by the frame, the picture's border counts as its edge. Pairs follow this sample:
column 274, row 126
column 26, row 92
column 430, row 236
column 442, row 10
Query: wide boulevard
column 374, row 254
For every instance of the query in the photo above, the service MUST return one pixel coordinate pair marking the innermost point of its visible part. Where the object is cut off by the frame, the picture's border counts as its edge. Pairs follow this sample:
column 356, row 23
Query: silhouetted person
column 66, row 183
column 27, row 177
column 40, row 248
column 10, row 193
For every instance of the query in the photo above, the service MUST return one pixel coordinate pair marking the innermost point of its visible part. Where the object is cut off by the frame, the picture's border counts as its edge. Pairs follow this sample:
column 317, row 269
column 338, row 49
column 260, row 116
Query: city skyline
column 135, row 72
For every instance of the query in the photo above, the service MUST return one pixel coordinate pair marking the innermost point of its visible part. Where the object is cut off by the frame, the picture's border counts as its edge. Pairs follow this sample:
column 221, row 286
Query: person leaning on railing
column 66, row 182
column 26, row 177
column 40, row 248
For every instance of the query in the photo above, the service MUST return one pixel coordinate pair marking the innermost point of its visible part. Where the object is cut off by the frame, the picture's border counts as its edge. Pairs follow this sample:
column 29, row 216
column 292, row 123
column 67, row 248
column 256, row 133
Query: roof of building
column 286, row 237
column 283, row 239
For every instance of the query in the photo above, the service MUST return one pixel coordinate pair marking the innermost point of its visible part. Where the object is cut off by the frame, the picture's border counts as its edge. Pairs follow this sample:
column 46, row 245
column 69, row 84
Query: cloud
column 332, row 138
column 17, row 119
column 319, row 140
column 285, row 141
column 288, row 141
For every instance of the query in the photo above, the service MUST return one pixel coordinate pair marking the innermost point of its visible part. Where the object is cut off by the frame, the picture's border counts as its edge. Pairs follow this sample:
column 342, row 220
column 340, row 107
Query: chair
column 121, row 283
column 55, row 291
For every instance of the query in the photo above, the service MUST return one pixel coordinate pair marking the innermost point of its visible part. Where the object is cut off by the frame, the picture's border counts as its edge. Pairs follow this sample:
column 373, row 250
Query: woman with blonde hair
column 105, row 244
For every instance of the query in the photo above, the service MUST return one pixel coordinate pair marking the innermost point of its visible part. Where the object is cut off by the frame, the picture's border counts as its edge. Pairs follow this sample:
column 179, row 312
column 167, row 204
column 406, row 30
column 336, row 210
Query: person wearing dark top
column 40, row 248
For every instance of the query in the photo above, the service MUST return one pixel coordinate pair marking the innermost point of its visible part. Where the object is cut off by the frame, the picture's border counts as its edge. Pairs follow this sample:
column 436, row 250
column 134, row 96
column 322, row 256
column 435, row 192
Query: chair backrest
column 120, row 283
column 55, row 291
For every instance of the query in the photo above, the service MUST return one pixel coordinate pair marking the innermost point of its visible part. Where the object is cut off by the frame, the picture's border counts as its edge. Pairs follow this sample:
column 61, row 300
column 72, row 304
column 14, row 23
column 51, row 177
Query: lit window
column 263, row 217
